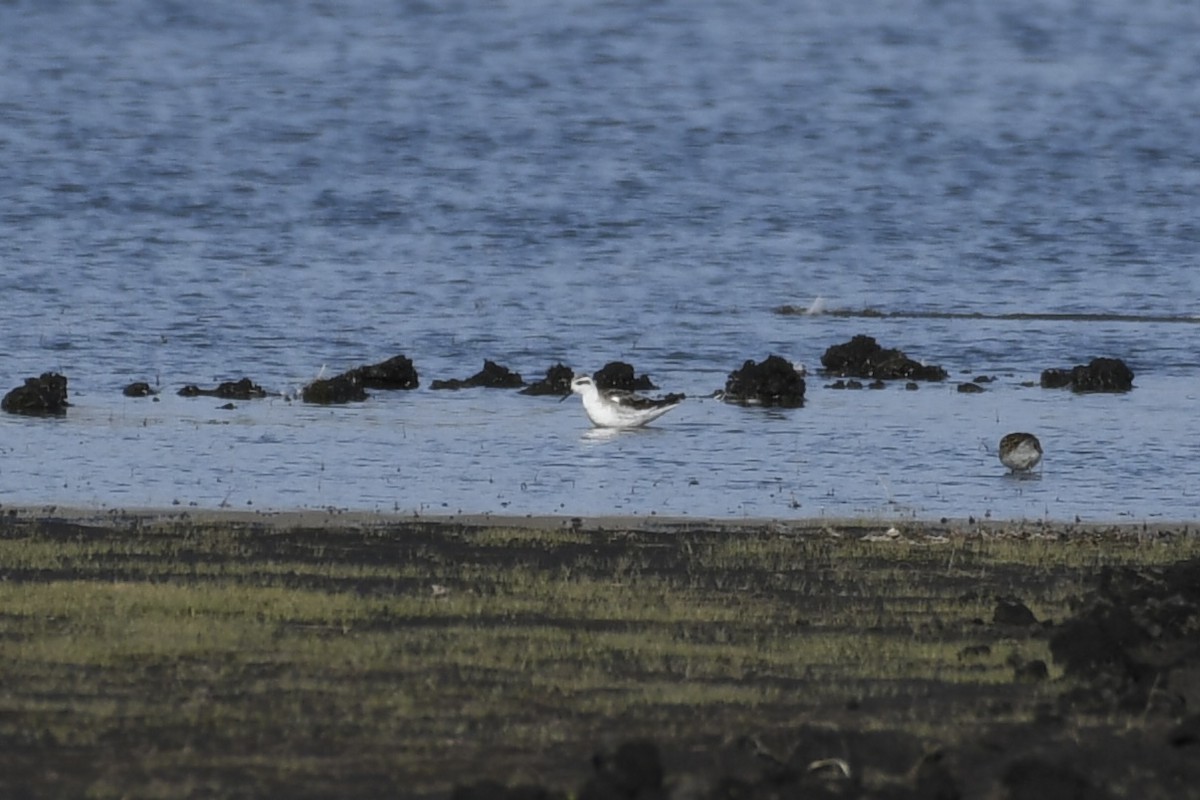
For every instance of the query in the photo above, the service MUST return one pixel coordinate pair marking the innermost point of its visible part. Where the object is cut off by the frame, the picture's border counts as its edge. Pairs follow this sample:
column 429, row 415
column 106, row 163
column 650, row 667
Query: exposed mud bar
column 872, row 313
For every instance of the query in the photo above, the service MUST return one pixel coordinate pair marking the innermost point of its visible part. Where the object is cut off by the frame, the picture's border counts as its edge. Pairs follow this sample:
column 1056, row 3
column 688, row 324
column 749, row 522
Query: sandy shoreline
column 875, row 527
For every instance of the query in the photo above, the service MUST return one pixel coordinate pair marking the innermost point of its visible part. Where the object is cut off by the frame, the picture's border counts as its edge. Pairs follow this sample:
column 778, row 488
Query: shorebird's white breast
column 614, row 409
column 600, row 411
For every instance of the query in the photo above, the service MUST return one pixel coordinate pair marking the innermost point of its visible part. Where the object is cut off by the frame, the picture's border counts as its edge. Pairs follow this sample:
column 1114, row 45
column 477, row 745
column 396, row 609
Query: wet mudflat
column 242, row 655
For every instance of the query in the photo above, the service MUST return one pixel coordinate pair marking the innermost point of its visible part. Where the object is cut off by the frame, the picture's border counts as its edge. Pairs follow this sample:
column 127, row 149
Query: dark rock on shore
column 863, row 357
column 244, row 389
column 396, row 372
column 772, row 382
column 43, row 396
column 139, row 389
column 969, row 388
column 557, row 382
column 619, row 375
column 344, row 388
column 492, row 376
column 1099, row 375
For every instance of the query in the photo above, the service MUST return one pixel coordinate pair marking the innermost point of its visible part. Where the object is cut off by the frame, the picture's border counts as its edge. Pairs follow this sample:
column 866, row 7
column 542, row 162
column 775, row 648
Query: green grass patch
column 245, row 660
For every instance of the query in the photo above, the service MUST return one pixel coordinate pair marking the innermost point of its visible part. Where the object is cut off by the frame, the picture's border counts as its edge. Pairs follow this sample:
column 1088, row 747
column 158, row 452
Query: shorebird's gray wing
column 638, row 402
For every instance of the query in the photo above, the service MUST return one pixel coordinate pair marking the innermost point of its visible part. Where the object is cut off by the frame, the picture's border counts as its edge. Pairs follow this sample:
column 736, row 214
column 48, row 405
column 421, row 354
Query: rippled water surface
column 193, row 192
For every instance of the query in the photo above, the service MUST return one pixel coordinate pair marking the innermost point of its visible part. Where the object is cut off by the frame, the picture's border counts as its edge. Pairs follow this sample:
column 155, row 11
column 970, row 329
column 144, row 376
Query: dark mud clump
column 139, row 389
column 1011, row 611
column 344, row 388
column 863, row 357
column 1055, row 378
column 772, row 382
column 633, row 769
column 1135, row 641
column 557, row 382
column 1099, row 375
column 395, row 373
column 492, row 376
column 1131, row 647
column 619, row 375
column 43, row 396
column 494, row 790
column 817, row 762
column 245, row 389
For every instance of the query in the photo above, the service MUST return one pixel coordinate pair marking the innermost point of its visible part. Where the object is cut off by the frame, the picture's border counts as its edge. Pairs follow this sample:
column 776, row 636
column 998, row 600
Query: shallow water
column 193, row 193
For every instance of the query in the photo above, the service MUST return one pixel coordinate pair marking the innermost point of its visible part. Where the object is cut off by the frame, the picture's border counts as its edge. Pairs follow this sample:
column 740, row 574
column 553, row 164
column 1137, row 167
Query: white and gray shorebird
column 617, row 408
column 1020, row 452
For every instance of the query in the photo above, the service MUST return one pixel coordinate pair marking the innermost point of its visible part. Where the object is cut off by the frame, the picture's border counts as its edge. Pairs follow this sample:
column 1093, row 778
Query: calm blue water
column 193, row 192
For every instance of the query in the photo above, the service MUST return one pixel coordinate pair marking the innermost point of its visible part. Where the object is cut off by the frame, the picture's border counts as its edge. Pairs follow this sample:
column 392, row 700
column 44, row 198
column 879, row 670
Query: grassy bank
column 172, row 658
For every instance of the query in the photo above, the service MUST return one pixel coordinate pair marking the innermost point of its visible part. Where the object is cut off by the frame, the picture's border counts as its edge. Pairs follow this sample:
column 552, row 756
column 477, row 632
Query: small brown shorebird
column 1020, row 452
